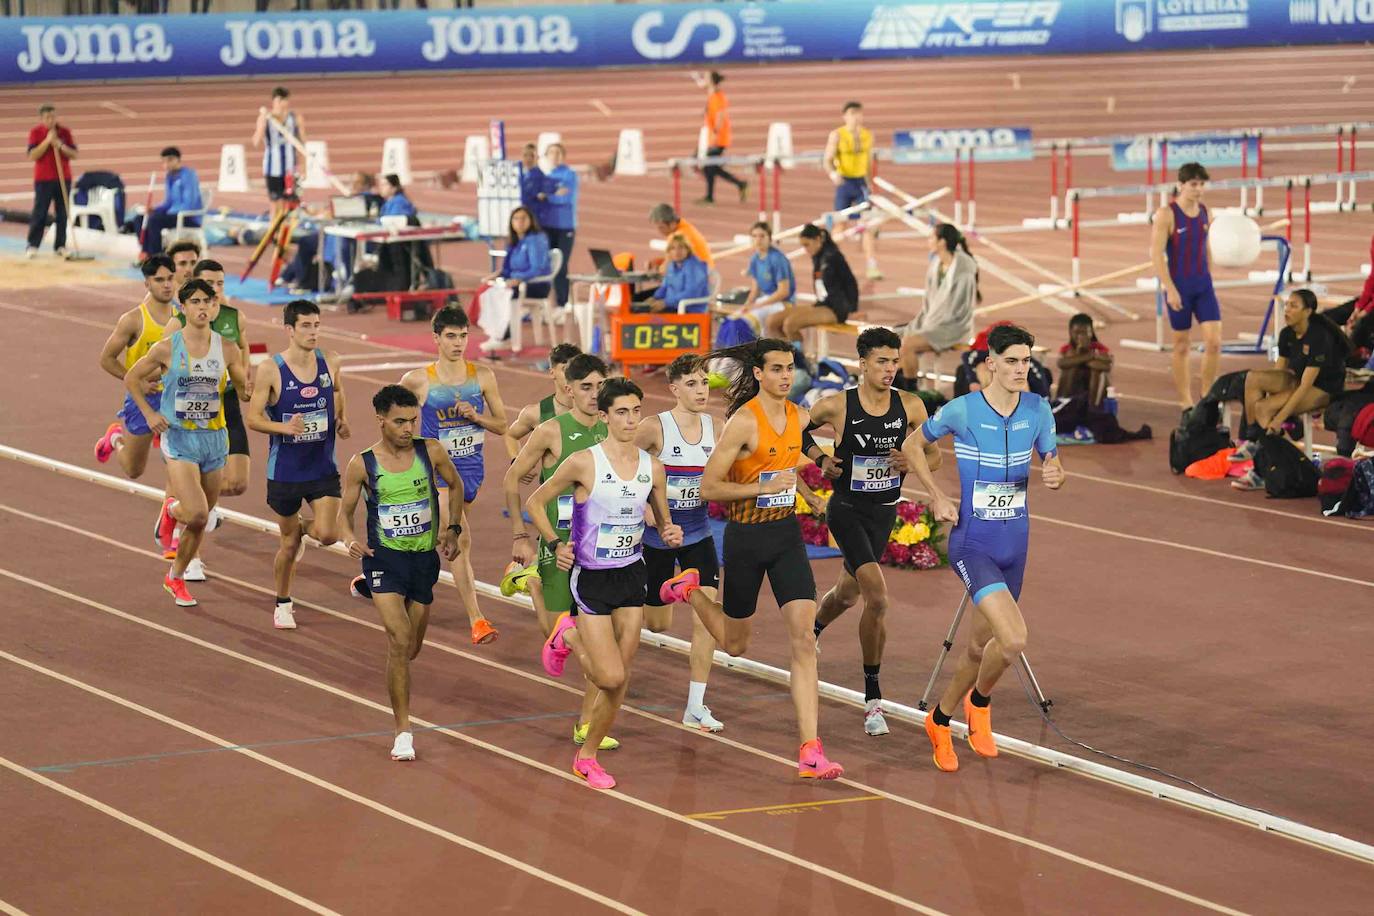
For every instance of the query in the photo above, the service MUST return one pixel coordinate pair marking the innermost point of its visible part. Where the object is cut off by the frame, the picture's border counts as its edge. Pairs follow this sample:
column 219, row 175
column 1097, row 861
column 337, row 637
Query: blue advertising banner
column 1224, row 151
column 539, row 37
column 934, row 145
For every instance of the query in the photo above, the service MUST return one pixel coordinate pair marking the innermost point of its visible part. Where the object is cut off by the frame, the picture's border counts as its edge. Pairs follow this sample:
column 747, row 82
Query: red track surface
column 1173, row 622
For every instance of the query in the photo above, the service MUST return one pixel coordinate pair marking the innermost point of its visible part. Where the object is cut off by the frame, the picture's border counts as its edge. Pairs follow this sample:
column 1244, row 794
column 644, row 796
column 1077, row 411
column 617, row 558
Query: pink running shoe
column 555, row 652
column 680, row 587
column 166, row 524
column 588, row 769
column 105, row 447
column 812, row 764
column 177, row 589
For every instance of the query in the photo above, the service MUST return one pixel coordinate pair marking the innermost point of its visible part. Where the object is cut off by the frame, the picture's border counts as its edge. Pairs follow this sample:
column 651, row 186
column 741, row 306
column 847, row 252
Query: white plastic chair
column 712, row 291
column 183, row 231
column 522, row 304
column 100, row 201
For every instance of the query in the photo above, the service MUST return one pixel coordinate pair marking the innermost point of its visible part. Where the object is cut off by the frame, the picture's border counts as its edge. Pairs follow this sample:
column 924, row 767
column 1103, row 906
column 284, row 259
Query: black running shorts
column 861, row 530
column 285, row 496
column 664, row 562
column 775, row 549
column 233, row 424
column 601, row 591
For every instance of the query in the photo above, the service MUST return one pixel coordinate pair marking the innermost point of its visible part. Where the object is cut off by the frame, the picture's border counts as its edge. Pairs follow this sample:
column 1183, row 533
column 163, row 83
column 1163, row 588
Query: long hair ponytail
column 956, row 241
column 750, row 356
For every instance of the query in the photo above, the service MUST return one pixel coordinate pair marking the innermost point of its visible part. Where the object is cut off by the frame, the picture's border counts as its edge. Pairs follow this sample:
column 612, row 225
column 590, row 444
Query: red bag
column 1363, row 430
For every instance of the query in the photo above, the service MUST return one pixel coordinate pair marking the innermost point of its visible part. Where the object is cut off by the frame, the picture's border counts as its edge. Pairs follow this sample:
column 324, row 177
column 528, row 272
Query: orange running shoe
column 177, row 589
column 483, row 632
column 979, row 719
column 942, row 745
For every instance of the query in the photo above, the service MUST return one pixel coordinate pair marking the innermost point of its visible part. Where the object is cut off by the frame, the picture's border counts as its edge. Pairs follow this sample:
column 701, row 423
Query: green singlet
column 402, row 507
column 574, row 437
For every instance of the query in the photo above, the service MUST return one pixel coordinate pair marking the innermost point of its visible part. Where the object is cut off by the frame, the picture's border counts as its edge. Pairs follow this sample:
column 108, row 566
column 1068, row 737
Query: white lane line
column 278, row 765
column 467, row 739
column 903, row 800
column 145, row 827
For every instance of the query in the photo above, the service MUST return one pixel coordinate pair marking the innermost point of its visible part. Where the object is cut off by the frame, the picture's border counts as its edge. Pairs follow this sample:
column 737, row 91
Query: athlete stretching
column 611, row 483
column 753, row 468
column 995, row 430
column 683, row 439
column 459, row 405
column 873, row 423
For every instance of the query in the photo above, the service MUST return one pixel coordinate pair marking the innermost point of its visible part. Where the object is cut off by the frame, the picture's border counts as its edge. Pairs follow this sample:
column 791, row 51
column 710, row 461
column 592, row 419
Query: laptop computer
column 349, row 209
column 605, row 264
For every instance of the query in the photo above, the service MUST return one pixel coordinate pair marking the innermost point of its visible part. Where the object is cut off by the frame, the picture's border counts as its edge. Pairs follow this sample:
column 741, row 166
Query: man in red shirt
column 46, row 142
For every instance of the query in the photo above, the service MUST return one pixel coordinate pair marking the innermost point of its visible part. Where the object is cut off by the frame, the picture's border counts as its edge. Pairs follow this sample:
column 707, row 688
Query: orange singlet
column 775, row 452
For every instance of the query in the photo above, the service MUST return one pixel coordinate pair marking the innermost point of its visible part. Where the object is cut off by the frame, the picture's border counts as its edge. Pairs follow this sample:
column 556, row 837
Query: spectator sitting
column 687, row 277
column 394, row 200
column 946, row 316
column 667, row 221
column 1310, row 371
column 1357, row 317
column 1085, row 363
column 837, row 292
column 531, row 183
column 527, row 255
column 772, row 284
column 1085, row 367
column 183, row 193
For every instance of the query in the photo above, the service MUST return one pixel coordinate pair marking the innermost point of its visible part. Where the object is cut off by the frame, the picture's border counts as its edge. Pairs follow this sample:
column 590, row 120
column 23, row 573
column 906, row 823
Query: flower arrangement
column 916, row 535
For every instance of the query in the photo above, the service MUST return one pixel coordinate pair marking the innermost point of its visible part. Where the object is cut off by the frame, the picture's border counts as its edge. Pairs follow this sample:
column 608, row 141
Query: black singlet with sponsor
column 864, row 451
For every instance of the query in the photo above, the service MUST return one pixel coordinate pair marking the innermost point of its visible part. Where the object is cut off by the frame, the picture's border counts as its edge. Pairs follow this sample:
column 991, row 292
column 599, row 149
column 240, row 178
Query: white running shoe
column 701, row 718
column 213, row 521
column 875, row 723
column 284, row 616
column 30, row 252
column 195, row 571
column 404, row 747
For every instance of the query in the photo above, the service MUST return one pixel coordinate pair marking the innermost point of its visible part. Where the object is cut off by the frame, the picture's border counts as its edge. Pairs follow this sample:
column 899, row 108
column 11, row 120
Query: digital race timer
column 658, row 339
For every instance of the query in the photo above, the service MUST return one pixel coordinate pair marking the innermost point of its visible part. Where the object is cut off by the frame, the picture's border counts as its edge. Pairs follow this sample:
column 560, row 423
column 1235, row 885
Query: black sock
column 940, row 718
column 281, row 600
column 871, row 689
column 819, row 626
column 977, row 699
column 363, row 588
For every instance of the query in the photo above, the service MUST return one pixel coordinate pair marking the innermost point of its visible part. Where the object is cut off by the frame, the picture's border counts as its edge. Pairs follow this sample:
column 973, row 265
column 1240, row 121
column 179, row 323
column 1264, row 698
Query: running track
column 1216, row 665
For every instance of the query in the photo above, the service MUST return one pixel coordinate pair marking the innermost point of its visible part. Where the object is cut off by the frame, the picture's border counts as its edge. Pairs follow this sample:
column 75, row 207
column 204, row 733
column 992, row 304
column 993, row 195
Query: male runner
column 547, row 447
column 396, row 477
column 753, row 468
column 228, row 322
column 1180, row 238
column 994, row 431
column 524, row 578
column 874, row 423
column 298, row 400
column 136, row 332
column 195, row 364
column 279, row 160
column 683, row 439
column 231, row 323
column 459, row 405
column 611, row 483
column 849, row 163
